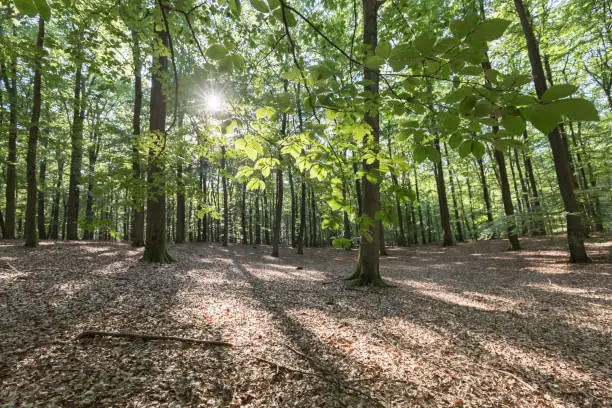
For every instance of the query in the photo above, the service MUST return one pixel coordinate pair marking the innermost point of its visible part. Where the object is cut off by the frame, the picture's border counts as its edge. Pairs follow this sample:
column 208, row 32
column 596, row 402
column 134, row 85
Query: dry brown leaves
column 467, row 326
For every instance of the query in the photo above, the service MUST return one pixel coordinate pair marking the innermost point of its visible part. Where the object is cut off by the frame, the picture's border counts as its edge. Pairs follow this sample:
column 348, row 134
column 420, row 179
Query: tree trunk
column 420, row 208
column 302, row 230
column 367, row 271
column 76, row 156
column 454, row 198
column 31, row 238
column 225, row 206
column 485, row 193
column 472, row 216
column 447, row 237
column 257, row 221
column 266, row 225
column 55, row 209
column 11, row 162
column 138, row 223
column 313, row 219
column 276, row 232
column 293, row 208
column 401, row 238
column 155, row 249
column 42, row 174
column 507, row 200
column 575, row 227
column 243, row 218
column 180, row 205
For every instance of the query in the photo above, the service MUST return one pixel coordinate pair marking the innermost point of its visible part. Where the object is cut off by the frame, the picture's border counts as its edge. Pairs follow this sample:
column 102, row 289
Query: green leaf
column 374, row 61
column 274, row 4
column 544, row 117
column 478, row 149
column 216, row 51
column 578, row 109
column 558, row 91
column 489, row 30
column 465, row 148
column 383, row 49
column 419, row 154
column 43, row 9
column 449, row 121
column 515, row 81
column 455, row 140
column 433, row 154
column 424, row 44
column 27, row 7
column 513, row 123
column 467, row 104
column 260, row 6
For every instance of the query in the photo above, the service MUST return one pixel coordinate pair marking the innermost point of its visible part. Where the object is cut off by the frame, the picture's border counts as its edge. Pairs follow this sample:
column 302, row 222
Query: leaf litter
column 465, row 326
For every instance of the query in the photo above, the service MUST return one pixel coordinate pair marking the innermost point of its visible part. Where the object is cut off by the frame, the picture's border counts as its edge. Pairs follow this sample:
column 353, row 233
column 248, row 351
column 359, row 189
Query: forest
column 318, row 203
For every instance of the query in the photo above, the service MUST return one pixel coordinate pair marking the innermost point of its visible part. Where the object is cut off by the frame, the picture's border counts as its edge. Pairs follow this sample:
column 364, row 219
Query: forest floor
column 466, row 326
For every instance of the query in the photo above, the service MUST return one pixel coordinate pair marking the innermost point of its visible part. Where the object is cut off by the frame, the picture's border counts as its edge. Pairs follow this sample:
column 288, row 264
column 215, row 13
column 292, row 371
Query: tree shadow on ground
column 64, row 288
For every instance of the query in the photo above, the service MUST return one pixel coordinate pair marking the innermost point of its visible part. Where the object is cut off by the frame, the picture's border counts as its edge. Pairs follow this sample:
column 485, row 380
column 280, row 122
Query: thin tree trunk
column 257, row 221
column 138, row 223
column 11, row 162
column 225, row 205
column 243, row 220
column 420, row 208
column 293, row 208
column 31, row 238
column 472, row 216
column 180, row 206
column 42, row 232
column 76, row 156
column 276, row 232
column 447, row 238
column 55, row 209
column 401, row 239
column 485, row 193
column 454, row 198
column 575, row 227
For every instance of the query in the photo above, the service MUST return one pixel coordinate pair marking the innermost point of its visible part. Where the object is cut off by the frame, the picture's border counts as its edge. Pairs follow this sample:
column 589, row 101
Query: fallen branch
column 516, row 377
column 126, row 335
column 295, row 370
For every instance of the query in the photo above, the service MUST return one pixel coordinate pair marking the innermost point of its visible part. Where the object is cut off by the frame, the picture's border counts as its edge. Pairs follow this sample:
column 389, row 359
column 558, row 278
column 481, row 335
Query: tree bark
column 367, row 271
column 42, row 174
column 225, row 205
column 76, row 156
column 138, row 199
column 180, row 205
column 575, row 227
column 420, row 208
column 155, row 248
column 447, row 236
column 454, row 198
column 31, row 238
column 10, row 83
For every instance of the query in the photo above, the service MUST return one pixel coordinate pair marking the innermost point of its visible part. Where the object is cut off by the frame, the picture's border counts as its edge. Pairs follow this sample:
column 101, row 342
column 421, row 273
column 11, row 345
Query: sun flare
column 213, row 102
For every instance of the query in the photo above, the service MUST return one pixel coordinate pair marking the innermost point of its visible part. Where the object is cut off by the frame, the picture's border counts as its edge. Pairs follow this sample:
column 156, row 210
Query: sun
column 213, row 102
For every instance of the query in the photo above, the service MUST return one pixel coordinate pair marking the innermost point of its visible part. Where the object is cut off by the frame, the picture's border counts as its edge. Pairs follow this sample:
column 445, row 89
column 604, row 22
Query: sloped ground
column 470, row 326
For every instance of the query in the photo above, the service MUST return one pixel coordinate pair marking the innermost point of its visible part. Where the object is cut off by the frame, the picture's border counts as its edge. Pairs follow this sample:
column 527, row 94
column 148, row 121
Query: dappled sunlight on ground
column 471, row 323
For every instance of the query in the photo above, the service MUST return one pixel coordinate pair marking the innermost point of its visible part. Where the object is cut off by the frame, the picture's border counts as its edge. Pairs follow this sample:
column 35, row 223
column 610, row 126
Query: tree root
column 126, row 335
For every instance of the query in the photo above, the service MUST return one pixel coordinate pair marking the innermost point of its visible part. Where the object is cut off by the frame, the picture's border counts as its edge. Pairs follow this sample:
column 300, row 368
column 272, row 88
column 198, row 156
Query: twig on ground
column 126, row 335
column 516, row 377
column 295, row 370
